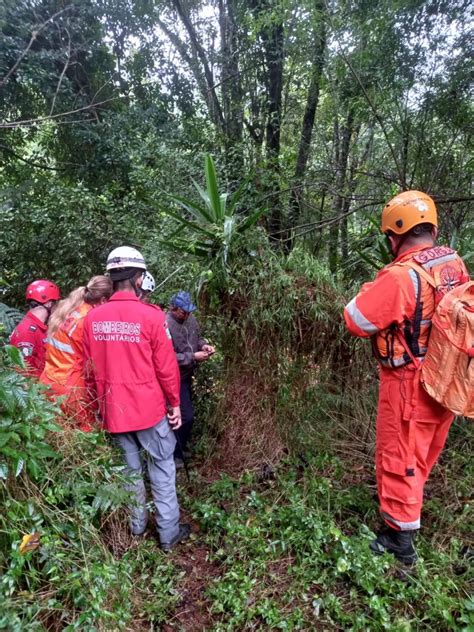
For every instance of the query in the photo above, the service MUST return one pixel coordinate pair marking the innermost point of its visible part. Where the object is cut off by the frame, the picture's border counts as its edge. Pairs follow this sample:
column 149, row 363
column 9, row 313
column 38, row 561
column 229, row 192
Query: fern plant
column 9, row 319
column 26, row 417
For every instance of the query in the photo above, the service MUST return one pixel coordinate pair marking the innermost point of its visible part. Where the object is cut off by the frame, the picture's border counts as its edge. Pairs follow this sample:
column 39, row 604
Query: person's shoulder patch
column 431, row 254
column 26, row 348
column 167, row 329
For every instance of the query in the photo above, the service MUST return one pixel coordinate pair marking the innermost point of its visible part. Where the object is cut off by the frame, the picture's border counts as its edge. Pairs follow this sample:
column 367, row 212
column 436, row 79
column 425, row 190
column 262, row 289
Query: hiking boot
column 399, row 543
column 142, row 535
column 183, row 534
column 139, row 524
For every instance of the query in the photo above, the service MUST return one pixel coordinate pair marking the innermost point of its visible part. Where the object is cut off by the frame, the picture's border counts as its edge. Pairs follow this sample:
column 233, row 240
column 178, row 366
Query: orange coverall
column 63, row 370
column 411, row 427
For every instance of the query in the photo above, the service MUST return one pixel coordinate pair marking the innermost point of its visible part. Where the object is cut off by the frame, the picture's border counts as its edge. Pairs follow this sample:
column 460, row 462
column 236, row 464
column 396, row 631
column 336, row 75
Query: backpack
column 447, row 371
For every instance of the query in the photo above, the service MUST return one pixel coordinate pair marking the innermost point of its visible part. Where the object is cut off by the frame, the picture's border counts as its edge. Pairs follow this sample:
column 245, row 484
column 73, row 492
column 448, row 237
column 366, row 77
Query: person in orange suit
column 395, row 310
column 63, row 370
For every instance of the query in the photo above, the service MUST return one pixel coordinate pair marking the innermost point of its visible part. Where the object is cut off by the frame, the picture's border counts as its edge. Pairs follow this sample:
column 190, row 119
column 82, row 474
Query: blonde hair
column 98, row 287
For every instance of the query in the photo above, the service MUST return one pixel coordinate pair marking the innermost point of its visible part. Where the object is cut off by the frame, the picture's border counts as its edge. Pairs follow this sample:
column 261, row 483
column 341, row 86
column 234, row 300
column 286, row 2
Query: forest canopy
column 322, row 111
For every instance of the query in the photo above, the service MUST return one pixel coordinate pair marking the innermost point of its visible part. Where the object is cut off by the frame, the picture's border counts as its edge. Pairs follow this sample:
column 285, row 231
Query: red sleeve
column 29, row 340
column 89, row 376
column 164, row 361
column 389, row 299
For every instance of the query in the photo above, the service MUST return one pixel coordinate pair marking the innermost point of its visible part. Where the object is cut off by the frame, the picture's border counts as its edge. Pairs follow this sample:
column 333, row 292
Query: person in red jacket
column 132, row 374
column 395, row 310
column 30, row 334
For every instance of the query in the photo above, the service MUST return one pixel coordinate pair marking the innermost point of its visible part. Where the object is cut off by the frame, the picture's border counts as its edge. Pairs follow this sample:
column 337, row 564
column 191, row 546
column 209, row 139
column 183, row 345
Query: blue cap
column 183, row 301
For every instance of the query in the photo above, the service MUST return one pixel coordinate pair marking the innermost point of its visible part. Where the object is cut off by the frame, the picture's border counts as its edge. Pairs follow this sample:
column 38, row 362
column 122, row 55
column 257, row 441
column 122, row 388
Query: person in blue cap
column 191, row 349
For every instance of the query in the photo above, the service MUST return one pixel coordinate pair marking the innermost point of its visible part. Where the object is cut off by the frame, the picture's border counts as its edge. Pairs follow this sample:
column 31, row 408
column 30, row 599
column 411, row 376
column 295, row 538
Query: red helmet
column 42, row 291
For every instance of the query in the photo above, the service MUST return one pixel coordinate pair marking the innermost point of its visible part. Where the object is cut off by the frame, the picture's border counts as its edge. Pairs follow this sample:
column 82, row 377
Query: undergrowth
column 293, row 553
column 63, row 491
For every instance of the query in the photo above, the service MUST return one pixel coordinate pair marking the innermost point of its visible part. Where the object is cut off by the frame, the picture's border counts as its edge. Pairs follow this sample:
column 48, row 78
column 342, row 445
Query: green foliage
column 213, row 228
column 293, row 554
column 26, row 419
column 9, row 319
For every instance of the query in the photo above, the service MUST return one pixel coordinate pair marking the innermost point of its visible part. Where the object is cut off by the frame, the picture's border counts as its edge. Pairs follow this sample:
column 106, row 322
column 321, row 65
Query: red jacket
column 30, row 337
column 130, row 364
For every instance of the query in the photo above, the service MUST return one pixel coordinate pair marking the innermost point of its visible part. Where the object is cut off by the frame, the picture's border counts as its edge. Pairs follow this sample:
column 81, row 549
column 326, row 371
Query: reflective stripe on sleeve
column 415, row 279
column 62, row 346
column 359, row 319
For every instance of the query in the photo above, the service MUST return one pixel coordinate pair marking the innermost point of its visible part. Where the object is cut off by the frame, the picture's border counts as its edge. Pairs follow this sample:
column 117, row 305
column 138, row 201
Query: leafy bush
column 61, row 519
column 26, row 417
column 9, row 319
column 293, row 554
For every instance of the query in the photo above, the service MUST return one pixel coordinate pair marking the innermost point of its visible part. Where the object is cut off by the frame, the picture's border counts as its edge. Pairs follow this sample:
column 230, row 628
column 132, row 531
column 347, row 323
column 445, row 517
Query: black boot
column 183, row 534
column 400, row 543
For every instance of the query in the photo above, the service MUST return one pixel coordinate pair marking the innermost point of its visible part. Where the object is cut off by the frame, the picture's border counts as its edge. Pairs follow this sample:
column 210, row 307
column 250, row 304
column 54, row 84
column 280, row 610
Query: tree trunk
column 212, row 101
column 341, row 154
column 273, row 39
column 308, row 121
column 231, row 89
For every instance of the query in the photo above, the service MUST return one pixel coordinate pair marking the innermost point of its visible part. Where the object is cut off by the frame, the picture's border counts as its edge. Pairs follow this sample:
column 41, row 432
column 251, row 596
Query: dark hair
column 416, row 231
column 421, row 229
column 125, row 275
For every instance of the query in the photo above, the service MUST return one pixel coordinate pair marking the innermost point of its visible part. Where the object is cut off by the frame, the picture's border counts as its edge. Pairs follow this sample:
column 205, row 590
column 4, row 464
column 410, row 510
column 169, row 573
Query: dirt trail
column 192, row 613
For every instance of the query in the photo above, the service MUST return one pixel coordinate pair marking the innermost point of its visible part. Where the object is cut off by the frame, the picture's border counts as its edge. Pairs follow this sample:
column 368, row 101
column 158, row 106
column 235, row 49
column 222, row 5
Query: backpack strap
column 417, row 363
column 421, row 271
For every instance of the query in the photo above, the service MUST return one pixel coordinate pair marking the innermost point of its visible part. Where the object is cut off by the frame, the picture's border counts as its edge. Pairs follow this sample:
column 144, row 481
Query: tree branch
column 66, row 64
column 37, row 165
column 34, row 35
column 42, row 119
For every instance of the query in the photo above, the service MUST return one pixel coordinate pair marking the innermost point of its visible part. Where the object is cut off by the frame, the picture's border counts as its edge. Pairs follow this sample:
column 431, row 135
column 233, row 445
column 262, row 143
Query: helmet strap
column 394, row 251
column 135, row 288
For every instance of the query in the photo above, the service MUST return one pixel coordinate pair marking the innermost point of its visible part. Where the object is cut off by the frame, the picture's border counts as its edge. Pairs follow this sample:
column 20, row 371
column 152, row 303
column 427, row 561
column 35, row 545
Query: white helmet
column 148, row 284
column 125, row 257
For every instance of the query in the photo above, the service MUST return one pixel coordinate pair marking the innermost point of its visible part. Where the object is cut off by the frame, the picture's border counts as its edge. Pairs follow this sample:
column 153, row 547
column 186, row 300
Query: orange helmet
column 406, row 210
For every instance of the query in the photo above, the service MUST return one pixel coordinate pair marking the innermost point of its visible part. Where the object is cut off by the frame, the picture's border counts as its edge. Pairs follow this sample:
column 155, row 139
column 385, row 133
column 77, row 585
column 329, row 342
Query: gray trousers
column 158, row 444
